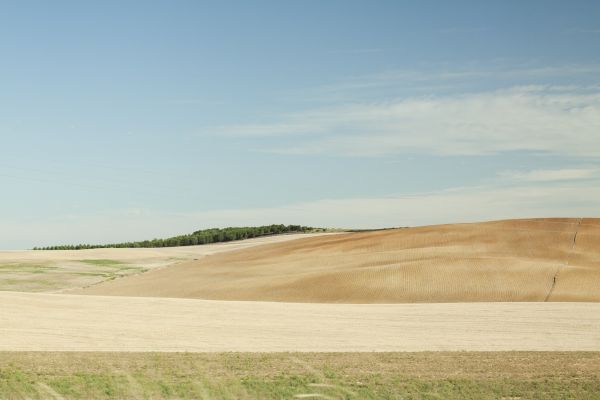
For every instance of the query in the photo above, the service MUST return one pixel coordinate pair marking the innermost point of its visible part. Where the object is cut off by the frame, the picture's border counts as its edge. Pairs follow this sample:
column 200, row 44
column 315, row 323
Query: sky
column 129, row 120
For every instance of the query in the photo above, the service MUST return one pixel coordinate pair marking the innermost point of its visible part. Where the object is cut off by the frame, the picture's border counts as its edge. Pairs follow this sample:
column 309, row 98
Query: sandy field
column 524, row 285
column 58, row 322
column 57, row 270
column 515, row 260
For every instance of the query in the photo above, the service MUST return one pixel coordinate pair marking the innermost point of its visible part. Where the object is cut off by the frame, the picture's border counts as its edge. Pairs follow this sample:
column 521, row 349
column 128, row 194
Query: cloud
column 540, row 119
column 550, row 175
column 443, row 75
column 448, row 206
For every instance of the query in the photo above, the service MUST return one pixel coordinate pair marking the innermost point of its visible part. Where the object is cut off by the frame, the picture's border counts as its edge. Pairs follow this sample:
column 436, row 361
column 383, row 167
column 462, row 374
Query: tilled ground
column 515, row 260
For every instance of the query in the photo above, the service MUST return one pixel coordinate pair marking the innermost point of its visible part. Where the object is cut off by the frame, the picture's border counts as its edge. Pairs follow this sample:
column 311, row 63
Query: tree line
column 204, row 236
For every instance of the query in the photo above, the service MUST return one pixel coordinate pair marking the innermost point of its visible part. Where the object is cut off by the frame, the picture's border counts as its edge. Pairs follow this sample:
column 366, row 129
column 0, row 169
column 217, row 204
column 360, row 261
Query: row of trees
column 205, row 236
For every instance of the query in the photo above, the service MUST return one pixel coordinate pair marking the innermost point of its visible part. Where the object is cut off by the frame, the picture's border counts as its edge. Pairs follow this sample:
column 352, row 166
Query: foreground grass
column 514, row 375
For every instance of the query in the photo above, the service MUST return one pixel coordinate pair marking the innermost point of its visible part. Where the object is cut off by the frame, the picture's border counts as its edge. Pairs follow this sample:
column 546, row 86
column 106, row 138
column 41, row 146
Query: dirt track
column 52, row 322
column 515, row 260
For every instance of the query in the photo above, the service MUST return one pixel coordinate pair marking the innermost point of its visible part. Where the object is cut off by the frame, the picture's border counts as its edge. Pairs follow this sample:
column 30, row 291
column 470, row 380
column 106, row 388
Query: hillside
column 58, row 270
column 512, row 260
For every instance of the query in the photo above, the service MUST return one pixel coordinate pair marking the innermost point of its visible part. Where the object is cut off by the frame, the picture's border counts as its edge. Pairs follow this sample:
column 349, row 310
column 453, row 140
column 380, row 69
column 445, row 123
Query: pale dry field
column 513, row 260
column 495, row 286
column 59, row 322
column 59, row 270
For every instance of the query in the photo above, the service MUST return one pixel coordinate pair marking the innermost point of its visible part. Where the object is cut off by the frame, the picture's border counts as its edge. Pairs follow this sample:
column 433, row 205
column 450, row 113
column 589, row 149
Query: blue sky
column 124, row 120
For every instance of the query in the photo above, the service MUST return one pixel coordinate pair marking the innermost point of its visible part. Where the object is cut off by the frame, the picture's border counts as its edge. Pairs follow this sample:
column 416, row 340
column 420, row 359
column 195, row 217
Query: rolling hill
column 512, row 260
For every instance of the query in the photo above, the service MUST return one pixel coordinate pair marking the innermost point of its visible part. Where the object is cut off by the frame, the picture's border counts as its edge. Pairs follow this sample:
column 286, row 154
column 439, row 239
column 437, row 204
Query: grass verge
column 430, row 375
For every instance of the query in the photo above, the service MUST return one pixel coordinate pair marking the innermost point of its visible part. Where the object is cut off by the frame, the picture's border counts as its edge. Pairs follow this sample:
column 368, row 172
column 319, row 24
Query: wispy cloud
column 447, row 75
column 550, row 175
column 465, row 204
column 539, row 119
column 293, row 124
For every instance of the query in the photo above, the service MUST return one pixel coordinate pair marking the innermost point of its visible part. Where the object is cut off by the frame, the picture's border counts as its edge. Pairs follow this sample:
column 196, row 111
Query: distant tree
column 205, row 236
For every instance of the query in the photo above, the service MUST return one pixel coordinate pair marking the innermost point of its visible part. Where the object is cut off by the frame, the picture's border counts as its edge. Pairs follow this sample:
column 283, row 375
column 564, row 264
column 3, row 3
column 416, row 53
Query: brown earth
column 513, row 260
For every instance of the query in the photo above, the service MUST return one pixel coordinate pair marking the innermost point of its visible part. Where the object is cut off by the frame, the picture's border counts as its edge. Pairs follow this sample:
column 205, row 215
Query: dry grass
column 516, row 260
column 294, row 375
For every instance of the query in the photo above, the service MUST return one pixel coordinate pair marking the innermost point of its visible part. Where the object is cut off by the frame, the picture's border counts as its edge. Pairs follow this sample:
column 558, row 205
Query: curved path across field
column 512, row 260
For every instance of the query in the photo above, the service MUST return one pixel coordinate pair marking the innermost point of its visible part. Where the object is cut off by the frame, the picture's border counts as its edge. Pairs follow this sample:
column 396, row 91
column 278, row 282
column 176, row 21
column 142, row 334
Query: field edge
column 416, row 375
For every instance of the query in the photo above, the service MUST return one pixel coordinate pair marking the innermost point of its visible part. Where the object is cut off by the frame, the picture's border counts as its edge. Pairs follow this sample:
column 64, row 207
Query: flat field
column 55, row 322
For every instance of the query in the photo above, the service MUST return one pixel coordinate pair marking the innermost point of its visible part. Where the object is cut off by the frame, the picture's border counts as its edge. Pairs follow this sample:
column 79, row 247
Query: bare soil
column 512, row 260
